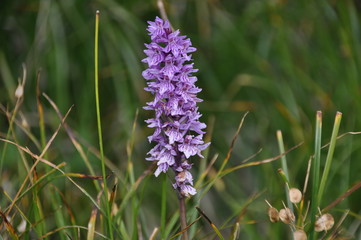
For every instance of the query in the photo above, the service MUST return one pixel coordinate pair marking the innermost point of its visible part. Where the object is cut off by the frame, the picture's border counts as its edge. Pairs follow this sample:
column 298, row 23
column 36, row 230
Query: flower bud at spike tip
column 299, row 235
column 324, row 223
column 178, row 132
column 286, row 215
column 295, row 195
column 273, row 214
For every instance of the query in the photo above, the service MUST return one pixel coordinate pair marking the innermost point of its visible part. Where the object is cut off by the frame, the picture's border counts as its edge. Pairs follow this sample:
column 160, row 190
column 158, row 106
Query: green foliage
column 280, row 60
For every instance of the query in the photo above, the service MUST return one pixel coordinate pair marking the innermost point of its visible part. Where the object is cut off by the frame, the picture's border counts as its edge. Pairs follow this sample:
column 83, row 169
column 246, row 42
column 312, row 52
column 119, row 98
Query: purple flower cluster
column 178, row 132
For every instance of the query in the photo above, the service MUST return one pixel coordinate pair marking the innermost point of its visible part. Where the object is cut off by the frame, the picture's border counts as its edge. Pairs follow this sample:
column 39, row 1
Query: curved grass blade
column 243, row 210
column 342, row 197
column 215, row 229
column 73, row 140
column 225, row 160
column 38, row 158
column 186, row 228
column 229, row 170
column 70, row 227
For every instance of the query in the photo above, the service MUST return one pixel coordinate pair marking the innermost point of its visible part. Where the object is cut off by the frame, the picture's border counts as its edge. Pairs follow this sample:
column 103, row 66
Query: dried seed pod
column 24, row 123
column 295, row 195
column 286, row 215
column 299, row 235
column 19, row 92
column 273, row 214
column 22, row 226
column 324, row 223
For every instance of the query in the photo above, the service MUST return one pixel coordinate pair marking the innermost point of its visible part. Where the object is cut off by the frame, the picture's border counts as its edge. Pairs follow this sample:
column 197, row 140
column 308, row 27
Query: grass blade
column 255, row 163
column 69, row 227
column 342, row 197
column 316, row 173
column 91, row 224
column 284, row 167
column 73, row 140
column 9, row 227
column 226, row 159
column 215, row 229
column 329, row 157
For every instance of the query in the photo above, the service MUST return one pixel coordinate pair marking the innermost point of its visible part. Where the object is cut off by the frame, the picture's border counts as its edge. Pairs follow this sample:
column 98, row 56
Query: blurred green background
column 281, row 60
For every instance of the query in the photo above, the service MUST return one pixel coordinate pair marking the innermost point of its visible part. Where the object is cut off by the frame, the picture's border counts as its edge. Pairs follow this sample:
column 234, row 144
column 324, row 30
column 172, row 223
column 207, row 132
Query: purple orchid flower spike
column 178, row 133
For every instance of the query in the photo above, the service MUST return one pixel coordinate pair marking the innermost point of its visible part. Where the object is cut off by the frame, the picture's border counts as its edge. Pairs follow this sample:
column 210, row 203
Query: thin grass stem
column 284, row 167
column 316, row 173
column 100, row 135
column 130, row 168
column 10, row 130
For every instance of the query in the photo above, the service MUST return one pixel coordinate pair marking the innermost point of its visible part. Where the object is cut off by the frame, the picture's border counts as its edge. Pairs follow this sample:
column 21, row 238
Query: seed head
column 324, row 223
column 286, row 215
column 19, row 92
column 299, row 235
column 24, row 123
column 295, row 195
column 273, row 214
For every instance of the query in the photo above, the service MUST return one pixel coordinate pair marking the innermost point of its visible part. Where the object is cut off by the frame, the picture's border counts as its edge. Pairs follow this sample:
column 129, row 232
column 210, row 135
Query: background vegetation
column 281, row 60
